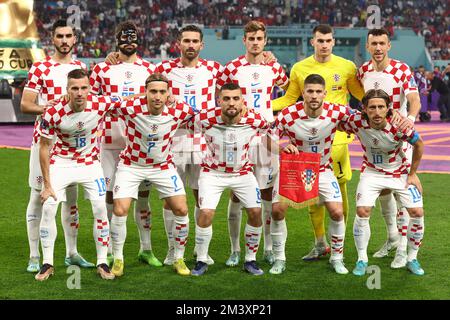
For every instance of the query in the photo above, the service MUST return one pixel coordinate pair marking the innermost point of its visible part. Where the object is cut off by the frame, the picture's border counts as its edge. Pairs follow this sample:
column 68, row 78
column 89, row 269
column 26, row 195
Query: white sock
column 168, row 225
column 402, row 225
column 389, row 213
column 361, row 234
column 180, row 234
column 109, row 211
column 202, row 240
column 33, row 216
column 48, row 230
column 337, row 235
column 196, row 215
column 118, row 235
column 69, row 220
column 416, row 230
column 278, row 231
column 267, row 215
column 252, row 238
column 143, row 219
column 101, row 230
column 234, row 215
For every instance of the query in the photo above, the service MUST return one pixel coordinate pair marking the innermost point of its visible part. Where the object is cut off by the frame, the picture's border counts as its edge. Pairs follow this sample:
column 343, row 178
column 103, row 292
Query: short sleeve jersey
column 228, row 145
column 396, row 79
column 76, row 132
column 256, row 81
column 122, row 79
column 48, row 78
column 312, row 134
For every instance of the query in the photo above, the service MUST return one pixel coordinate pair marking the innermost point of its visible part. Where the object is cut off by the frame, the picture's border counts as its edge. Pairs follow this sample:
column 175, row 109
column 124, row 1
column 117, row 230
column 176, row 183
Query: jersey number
column 314, row 149
column 377, row 158
column 80, row 142
column 256, row 103
column 190, row 100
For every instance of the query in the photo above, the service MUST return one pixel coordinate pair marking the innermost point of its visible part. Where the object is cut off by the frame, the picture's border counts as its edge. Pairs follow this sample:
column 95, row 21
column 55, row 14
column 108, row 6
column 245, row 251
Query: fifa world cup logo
column 17, row 20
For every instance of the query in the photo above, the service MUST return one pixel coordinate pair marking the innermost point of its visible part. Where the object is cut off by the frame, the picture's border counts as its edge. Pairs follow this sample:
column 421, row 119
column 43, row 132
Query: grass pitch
column 302, row 280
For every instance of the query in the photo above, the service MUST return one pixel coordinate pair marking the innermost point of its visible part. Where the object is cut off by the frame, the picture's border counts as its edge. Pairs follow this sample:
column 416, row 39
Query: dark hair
column 323, row 29
column 254, row 26
column 190, row 28
column 60, row 24
column 77, row 74
column 156, row 77
column 373, row 94
column 314, row 79
column 230, row 86
column 125, row 25
column 378, row 32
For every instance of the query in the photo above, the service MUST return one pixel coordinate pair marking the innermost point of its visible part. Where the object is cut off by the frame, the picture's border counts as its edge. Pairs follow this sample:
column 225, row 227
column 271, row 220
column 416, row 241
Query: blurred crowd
column 160, row 19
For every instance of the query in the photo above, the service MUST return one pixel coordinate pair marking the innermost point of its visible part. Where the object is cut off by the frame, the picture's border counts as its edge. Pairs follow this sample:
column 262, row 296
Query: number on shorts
column 101, row 185
column 416, row 196
column 270, row 175
column 174, row 180
column 377, row 158
column 256, row 97
column 80, row 142
column 314, row 149
column 230, row 156
column 337, row 190
column 258, row 195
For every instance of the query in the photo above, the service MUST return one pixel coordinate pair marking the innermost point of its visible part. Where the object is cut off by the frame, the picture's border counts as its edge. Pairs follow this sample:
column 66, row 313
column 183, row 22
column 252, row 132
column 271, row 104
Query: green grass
column 301, row 280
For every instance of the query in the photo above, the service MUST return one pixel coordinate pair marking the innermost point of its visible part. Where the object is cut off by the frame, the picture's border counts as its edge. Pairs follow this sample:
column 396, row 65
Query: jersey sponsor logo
column 126, row 83
column 189, row 85
column 255, row 84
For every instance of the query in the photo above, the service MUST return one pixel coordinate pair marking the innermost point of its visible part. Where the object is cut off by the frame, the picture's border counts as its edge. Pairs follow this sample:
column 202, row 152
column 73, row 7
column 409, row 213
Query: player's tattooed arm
column 44, row 159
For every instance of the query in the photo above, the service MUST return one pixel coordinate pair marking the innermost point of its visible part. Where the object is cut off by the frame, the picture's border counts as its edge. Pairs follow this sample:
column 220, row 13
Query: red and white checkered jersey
column 76, row 132
column 383, row 149
column 228, row 145
column 396, row 79
column 312, row 134
column 256, row 81
column 122, row 79
column 48, row 78
column 149, row 137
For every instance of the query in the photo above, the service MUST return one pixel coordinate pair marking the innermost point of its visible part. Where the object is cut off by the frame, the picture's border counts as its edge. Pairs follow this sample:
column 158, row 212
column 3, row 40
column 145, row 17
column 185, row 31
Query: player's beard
column 128, row 52
column 67, row 47
column 191, row 54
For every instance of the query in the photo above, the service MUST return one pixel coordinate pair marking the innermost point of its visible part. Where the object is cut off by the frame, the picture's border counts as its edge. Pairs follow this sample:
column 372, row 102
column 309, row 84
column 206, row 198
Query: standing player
column 147, row 156
column 47, row 80
column 73, row 160
column 311, row 126
column 385, row 166
column 340, row 79
column 395, row 78
column 228, row 131
column 256, row 79
column 125, row 78
column 193, row 80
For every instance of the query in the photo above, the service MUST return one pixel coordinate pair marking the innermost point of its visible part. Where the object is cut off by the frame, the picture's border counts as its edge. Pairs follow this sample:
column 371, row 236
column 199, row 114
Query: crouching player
column 385, row 166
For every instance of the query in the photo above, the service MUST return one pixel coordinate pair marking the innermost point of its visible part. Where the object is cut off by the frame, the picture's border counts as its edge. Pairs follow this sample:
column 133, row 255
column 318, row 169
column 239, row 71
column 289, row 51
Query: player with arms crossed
column 73, row 160
column 151, row 126
column 193, row 80
column 310, row 127
column 124, row 78
column 340, row 79
column 385, row 167
column 228, row 131
column 47, row 81
column 256, row 77
column 396, row 79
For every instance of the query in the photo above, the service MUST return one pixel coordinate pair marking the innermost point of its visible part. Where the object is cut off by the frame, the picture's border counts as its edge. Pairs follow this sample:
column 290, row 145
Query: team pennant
column 299, row 179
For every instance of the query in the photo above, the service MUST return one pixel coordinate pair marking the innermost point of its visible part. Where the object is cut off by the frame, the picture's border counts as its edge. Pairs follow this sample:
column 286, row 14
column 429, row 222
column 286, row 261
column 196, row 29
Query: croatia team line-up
column 191, row 120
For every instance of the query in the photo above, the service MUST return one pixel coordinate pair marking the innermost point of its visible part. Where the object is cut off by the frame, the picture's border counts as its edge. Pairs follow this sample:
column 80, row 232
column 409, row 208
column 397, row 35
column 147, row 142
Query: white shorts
column 35, row 174
column 189, row 174
column 370, row 186
column 329, row 190
column 167, row 182
column 213, row 183
column 265, row 162
column 109, row 159
column 90, row 177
